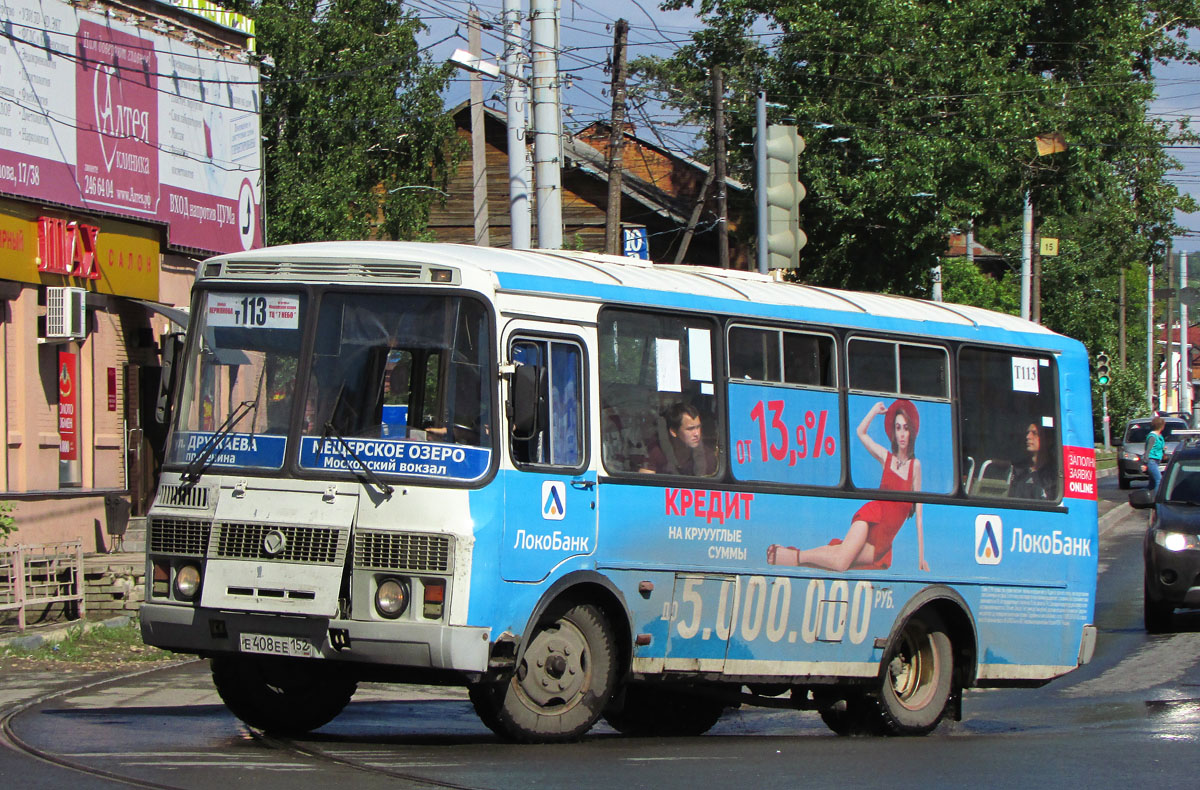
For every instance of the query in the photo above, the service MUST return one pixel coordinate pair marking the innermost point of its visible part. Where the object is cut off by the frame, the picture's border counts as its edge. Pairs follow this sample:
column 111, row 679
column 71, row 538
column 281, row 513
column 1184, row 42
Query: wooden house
column 659, row 191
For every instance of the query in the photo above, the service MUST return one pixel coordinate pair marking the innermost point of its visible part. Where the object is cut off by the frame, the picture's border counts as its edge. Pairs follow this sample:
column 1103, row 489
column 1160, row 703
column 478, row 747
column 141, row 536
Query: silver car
column 1131, row 465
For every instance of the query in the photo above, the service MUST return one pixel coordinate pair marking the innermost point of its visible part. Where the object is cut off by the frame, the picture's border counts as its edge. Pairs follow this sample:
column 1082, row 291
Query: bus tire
column 1157, row 615
column 651, row 710
column 917, row 677
column 286, row 697
column 858, row 714
column 562, row 683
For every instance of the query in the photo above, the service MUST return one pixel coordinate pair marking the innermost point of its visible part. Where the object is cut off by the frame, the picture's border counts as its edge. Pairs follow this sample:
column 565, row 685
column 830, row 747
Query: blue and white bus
column 586, row 486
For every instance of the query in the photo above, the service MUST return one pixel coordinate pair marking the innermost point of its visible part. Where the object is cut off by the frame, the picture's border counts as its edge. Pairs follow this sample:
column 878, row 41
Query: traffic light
column 1103, row 374
column 784, row 193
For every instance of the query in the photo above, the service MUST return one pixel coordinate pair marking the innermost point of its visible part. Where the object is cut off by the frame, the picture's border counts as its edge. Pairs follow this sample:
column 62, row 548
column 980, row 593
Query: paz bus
column 585, row 486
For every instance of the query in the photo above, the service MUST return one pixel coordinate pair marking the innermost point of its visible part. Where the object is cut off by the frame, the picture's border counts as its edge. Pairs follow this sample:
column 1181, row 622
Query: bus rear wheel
column 917, row 677
column 562, row 682
column 659, row 711
column 281, row 696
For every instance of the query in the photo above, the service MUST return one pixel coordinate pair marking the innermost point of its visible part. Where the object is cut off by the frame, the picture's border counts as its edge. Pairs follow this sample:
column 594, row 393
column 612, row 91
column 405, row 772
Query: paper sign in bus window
column 699, row 354
column 666, row 362
column 1024, row 374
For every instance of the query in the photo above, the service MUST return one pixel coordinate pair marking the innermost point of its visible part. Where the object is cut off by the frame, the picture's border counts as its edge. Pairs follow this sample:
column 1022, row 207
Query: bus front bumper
column 186, row 629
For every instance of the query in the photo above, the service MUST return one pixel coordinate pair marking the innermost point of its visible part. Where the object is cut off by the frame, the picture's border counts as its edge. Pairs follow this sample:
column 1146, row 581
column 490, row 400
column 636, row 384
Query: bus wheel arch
column 568, row 664
column 929, row 657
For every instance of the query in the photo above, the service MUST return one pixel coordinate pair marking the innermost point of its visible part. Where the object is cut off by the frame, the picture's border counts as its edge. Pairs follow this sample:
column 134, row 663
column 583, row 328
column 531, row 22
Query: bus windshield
column 239, row 383
column 387, row 372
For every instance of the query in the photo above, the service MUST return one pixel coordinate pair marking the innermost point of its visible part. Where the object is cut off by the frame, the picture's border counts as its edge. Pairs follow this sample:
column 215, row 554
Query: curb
column 32, row 641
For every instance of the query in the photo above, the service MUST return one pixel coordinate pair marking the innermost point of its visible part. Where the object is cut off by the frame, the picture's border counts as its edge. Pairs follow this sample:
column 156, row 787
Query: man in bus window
column 679, row 447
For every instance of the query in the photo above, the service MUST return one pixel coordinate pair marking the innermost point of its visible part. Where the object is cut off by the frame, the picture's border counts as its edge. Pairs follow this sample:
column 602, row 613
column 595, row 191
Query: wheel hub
column 554, row 671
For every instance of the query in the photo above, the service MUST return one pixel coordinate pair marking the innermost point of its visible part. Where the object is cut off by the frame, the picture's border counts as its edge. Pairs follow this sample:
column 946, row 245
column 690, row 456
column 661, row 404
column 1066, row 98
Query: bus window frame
column 945, row 347
column 291, row 467
column 782, row 330
column 201, row 290
column 717, row 323
column 519, row 334
column 1057, row 390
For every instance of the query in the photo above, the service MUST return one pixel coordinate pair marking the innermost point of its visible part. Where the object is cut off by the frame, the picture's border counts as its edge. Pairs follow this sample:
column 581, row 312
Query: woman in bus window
column 1036, row 477
column 868, row 543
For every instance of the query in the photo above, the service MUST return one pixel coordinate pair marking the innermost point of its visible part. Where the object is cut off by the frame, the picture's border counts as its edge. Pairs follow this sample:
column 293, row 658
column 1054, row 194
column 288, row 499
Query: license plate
column 277, row 646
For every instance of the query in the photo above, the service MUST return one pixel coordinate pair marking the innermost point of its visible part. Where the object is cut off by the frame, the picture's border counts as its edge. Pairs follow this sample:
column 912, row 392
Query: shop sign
column 67, row 247
column 107, row 257
column 68, row 446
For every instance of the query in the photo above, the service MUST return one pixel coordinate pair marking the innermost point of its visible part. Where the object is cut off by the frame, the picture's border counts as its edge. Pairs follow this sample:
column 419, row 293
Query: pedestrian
column 1154, row 451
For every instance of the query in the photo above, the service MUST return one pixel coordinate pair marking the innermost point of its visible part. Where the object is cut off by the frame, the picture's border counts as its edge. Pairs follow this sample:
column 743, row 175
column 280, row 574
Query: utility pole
column 616, row 142
column 1185, row 351
column 760, row 177
column 1151, row 335
column 718, row 99
column 1035, row 257
column 520, row 217
column 478, row 140
column 547, row 167
column 1026, row 256
column 695, row 218
column 1169, row 321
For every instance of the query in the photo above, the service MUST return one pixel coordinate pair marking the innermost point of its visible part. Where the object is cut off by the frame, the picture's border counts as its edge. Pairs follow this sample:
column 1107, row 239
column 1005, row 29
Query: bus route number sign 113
column 253, row 311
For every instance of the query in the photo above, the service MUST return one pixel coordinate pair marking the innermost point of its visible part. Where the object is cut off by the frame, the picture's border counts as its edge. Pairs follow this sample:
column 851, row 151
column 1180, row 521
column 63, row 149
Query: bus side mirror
column 524, row 402
column 172, row 351
column 1141, row 498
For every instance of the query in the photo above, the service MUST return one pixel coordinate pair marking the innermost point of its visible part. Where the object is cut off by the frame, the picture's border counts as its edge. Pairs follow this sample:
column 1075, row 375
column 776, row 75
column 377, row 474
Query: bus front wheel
column 282, row 696
column 562, row 682
column 918, row 672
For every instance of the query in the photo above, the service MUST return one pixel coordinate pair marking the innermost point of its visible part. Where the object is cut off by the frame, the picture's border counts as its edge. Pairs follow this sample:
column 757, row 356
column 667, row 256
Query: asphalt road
column 1132, row 716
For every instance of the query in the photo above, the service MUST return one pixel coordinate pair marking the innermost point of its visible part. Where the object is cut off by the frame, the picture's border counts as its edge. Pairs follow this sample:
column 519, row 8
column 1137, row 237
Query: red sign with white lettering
column 1079, row 465
column 68, row 248
column 68, row 380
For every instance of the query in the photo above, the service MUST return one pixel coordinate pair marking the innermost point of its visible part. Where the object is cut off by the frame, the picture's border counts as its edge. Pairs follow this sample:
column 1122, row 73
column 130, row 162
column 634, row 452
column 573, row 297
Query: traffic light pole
column 760, row 176
column 1104, row 400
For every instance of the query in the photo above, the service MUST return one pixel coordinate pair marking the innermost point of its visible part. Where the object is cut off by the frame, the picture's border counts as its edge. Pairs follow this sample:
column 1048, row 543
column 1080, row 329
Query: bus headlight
column 187, row 581
column 391, row 598
column 1176, row 541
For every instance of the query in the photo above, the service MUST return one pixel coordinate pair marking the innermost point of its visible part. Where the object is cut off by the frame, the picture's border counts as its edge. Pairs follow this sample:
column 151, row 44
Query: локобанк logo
column 989, row 538
column 554, row 500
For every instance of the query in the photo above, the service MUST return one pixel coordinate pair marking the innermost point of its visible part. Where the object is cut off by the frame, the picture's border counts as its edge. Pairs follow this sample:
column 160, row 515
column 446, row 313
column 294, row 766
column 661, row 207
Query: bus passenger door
column 702, row 609
column 550, row 498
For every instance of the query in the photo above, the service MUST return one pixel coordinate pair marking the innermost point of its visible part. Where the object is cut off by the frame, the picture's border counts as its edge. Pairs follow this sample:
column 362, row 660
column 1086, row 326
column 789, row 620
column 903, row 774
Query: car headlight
column 1176, row 541
column 1127, row 456
column 187, row 581
column 391, row 598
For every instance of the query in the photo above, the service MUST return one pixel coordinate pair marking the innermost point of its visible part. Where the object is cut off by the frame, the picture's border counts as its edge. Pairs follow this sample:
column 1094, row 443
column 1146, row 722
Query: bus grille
column 179, row 536
column 392, row 551
column 324, row 269
column 313, row 545
column 190, row 497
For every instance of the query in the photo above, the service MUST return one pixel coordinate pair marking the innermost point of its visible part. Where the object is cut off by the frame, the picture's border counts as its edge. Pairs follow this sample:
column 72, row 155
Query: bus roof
column 585, row 274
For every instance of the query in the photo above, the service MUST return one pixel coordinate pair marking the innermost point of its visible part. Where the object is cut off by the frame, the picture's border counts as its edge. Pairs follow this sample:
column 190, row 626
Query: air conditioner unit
column 66, row 313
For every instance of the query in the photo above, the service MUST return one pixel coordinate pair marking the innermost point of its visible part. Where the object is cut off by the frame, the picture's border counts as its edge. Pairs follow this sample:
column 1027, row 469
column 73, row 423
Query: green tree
column 351, row 110
column 920, row 116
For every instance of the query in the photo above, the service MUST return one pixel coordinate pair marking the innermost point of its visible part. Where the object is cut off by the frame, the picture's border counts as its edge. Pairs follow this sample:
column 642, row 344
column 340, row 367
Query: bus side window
column 1008, row 425
column 547, row 403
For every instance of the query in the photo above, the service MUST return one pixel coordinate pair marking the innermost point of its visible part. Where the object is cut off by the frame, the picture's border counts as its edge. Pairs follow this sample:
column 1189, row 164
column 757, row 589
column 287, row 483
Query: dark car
column 1130, row 463
column 1172, row 543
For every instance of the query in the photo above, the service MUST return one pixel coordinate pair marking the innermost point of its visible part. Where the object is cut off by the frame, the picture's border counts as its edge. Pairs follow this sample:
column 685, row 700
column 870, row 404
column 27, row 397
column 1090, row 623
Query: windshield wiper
column 199, row 464
column 372, row 478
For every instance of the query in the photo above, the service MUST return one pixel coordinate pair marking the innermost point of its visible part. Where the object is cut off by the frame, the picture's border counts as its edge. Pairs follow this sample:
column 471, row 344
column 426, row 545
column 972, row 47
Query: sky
column 587, row 36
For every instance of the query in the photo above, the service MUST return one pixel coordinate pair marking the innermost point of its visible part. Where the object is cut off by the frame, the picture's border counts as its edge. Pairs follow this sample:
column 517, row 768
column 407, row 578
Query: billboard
column 99, row 112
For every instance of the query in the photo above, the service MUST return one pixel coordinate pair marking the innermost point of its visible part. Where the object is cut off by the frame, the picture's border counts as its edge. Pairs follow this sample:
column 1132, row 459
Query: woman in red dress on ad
column 868, row 543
